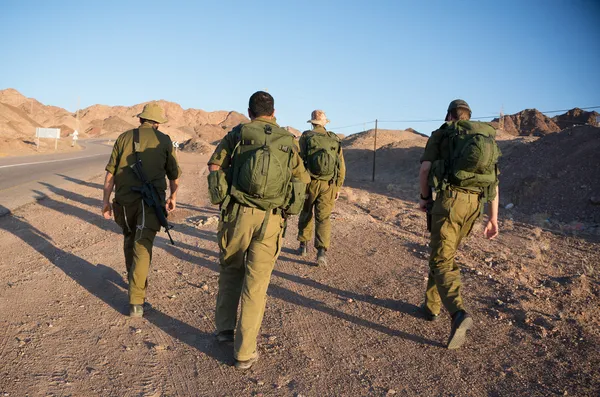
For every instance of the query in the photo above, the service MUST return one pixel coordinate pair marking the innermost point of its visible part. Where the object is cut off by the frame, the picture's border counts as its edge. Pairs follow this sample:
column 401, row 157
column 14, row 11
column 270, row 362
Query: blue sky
column 357, row 60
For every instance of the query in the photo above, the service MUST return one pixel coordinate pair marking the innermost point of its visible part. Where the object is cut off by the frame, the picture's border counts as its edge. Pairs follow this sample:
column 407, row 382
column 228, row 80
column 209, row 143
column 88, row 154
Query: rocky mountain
column 19, row 116
column 527, row 122
column 576, row 117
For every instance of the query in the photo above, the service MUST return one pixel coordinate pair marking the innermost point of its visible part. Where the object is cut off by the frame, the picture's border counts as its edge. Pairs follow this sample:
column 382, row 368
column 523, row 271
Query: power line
column 442, row 120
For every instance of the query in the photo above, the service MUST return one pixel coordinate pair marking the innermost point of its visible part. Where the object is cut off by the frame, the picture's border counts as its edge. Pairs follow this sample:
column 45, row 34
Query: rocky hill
column 19, row 116
column 527, row 122
column 576, row 117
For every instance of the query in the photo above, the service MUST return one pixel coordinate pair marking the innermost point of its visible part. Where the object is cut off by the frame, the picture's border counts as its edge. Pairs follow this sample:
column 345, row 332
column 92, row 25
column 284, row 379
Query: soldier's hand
column 106, row 210
column 337, row 195
column 491, row 229
column 171, row 204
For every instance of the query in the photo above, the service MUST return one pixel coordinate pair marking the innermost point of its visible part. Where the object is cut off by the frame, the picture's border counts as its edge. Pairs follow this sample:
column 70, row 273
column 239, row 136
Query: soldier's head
column 318, row 117
column 458, row 110
column 261, row 104
column 153, row 113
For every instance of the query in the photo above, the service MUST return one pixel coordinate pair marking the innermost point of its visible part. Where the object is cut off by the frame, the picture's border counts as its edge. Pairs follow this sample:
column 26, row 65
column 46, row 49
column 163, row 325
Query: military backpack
column 472, row 163
column 322, row 155
column 261, row 171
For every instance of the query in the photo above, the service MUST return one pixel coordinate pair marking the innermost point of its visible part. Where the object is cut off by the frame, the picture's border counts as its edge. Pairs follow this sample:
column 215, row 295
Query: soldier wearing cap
column 453, row 215
column 323, row 158
column 137, row 220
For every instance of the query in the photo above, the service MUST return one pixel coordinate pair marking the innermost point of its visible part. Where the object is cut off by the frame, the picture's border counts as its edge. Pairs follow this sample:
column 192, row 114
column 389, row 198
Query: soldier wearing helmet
column 461, row 190
column 137, row 220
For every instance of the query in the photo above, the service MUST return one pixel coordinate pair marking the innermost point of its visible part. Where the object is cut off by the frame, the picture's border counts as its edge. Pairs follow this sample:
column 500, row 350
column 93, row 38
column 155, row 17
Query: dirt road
column 351, row 329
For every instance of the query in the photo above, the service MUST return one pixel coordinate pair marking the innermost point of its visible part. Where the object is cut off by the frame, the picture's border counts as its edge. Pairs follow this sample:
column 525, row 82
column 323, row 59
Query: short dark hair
column 460, row 113
column 261, row 104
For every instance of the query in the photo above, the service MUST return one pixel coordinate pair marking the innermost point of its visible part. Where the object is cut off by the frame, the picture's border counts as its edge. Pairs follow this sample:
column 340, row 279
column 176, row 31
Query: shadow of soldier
column 274, row 290
column 104, row 282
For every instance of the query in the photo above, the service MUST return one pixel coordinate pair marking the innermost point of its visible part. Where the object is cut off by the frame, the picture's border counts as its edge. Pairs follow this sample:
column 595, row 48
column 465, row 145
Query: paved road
column 27, row 178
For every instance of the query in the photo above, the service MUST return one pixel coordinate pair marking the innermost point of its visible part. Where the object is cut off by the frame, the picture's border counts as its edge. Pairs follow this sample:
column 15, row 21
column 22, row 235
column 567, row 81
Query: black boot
column 321, row 258
column 303, row 250
column 461, row 322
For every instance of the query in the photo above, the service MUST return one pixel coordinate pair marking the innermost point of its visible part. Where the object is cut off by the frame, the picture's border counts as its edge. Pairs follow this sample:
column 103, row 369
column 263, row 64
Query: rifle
column 148, row 190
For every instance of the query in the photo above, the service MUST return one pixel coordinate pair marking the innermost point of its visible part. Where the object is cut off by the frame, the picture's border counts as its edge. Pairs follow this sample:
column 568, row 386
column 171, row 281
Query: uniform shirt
column 158, row 160
column 303, row 150
column 223, row 152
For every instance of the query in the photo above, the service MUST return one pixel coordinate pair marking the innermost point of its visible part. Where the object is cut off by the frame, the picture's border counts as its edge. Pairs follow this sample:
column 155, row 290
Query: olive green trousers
column 140, row 225
column 320, row 197
column 453, row 215
column 246, row 263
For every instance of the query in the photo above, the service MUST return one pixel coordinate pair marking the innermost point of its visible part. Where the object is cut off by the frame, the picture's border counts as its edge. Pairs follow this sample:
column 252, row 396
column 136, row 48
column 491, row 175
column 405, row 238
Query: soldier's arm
column 221, row 157
column 109, row 179
column 491, row 229
column 109, row 184
column 342, row 170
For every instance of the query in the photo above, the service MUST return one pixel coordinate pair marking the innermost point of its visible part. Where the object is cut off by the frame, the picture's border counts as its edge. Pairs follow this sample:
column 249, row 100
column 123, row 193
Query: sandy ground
column 350, row 329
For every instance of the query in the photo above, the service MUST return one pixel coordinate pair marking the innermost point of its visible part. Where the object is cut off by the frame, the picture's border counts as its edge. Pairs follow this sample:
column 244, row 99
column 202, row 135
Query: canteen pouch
column 217, row 186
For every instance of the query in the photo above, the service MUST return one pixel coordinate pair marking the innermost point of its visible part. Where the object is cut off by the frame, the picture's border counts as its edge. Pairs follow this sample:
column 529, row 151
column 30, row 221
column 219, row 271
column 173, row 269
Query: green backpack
column 261, row 167
column 322, row 155
column 473, row 160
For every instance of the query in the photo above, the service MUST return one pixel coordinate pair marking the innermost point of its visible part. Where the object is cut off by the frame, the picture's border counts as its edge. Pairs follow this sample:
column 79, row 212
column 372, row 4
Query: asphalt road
column 25, row 179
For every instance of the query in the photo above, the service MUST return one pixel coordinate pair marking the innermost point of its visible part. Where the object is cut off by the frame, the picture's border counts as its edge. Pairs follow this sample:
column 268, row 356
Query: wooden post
column 374, row 151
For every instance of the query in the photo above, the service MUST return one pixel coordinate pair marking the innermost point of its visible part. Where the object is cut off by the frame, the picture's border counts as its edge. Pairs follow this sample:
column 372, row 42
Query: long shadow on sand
column 86, row 275
column 103, row 281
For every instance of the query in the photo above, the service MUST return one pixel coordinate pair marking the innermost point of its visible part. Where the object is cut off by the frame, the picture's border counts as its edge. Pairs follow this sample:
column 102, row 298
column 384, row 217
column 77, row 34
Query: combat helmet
column 153, row 112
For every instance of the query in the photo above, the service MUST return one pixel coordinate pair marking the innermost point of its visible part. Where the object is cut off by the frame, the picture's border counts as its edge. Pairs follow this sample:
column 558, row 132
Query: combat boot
column 136, row 310
column 246, row 364
column 321, row 258
column 303, row 250
column 461, row 322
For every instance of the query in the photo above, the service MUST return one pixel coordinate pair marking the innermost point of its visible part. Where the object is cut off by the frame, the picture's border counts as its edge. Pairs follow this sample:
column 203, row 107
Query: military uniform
column 250, row 242
column 320, row 197
column 453, row 215
column 138, row 221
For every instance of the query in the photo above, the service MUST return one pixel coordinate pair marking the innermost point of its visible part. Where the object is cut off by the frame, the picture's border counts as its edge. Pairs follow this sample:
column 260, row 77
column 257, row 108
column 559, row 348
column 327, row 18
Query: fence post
column 374, row 151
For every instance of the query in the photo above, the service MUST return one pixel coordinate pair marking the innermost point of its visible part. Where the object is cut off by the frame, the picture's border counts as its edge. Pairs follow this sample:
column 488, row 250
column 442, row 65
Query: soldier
column 259, row 160
column 460, row 163
column 322, row 154
column 139, row 221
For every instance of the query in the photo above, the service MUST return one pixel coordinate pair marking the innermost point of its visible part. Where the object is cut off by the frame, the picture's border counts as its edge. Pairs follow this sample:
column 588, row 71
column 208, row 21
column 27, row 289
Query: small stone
column 499, row 302
column 479, row 273
column 260, row 383
column 172, row 296
column 349, row 300
column 272, row 338
column 391, row 392
column 489, row 259
column 137, row 331
column 509, row 206
column 159, row 347
column 595, row 200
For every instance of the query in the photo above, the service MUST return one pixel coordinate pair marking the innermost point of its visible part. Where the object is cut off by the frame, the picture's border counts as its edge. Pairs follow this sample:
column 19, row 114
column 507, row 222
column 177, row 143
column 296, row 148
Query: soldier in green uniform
column 138, row 221
column 322, row 154
column 456, row 208
column 260, row 159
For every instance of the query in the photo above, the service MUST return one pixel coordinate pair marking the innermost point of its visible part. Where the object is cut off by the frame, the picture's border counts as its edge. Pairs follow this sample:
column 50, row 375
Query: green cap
column 458, row 103
column 153, row 112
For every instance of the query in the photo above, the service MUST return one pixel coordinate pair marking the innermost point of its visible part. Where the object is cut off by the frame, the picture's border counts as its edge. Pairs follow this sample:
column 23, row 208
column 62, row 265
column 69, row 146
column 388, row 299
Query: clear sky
column 357, row 60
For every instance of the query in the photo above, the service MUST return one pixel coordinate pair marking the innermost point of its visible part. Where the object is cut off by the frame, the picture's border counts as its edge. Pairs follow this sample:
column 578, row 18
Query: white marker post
column 176, row 145
column 75, row 135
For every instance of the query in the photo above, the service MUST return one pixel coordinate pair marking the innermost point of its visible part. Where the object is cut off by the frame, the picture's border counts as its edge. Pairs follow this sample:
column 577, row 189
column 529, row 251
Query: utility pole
column 501, row 120
column 374, row 151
